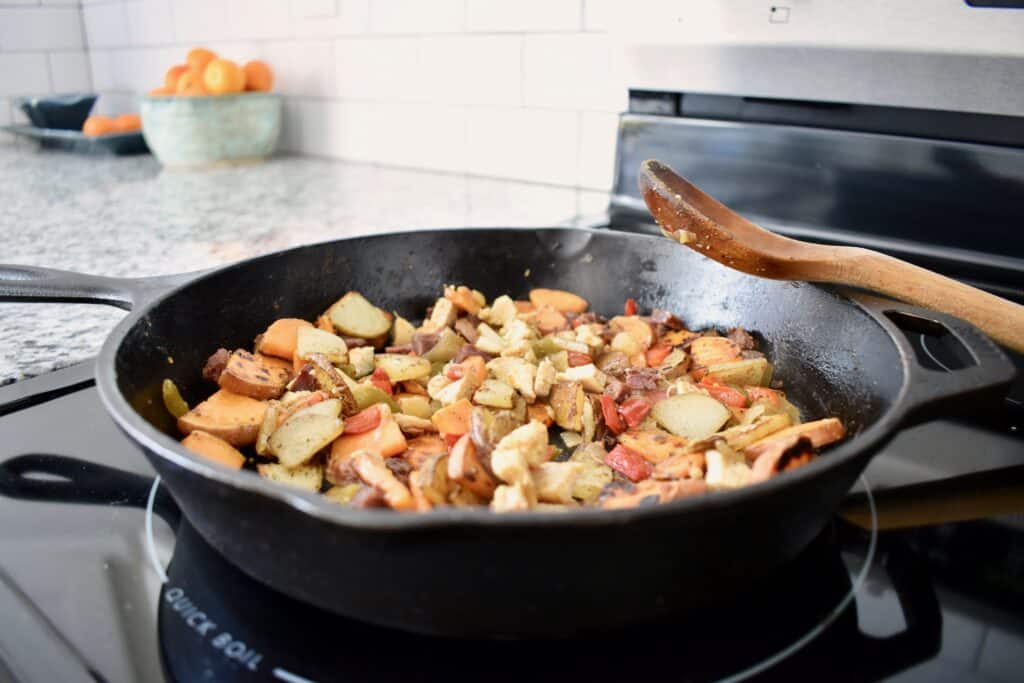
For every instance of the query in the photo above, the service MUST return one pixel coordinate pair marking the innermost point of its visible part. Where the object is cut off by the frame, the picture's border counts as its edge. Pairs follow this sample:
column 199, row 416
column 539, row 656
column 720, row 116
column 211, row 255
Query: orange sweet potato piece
column 370, row 467
column 707, row 351
column 655, row 445
column 422, row 448
column 232, row 417
column 558, row 299
column 386, row 438
column 324, row 323
column 819, row 433
column 465, row 467
column 541, row 413
column 474, row 366
column 524, row 307
column 280, row 338
column 550, row 320
column 462, row 297
column 255, row 375
column 214, row 448
column 453, row 419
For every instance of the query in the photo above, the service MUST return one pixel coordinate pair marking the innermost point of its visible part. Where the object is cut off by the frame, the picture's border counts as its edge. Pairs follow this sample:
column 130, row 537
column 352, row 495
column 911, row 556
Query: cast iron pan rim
column 162, row 446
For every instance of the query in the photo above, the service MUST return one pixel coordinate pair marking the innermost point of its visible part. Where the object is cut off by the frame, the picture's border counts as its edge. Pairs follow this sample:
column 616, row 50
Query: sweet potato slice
column 232, row 417
column 558, row 299
column 386, row 438
column 655, row 445
column 371, row 469
column 281, row 337
column 255, row 375
column 464, row 298
column 707, row 351
column 215, row 448
column 652, row 491
column 453, row 419
column 465, row 468
column 422, row 448
column 819, row 433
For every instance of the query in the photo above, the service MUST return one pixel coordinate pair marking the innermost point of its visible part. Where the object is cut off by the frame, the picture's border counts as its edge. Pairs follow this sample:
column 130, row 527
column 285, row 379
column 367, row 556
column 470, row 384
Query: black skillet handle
column 32, row 283
column 928, row 393
column 63, row 479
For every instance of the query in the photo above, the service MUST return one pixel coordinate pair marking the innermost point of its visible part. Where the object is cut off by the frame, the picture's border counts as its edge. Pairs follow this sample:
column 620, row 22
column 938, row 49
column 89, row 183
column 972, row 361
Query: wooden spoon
column 697, row 220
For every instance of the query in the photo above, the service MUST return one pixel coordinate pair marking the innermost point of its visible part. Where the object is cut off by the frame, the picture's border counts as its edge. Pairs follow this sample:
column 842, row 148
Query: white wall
column 42, row 51
column 502, row 88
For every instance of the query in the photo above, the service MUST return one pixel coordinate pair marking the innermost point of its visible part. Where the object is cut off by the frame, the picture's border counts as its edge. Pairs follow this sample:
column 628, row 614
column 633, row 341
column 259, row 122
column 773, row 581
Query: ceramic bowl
column 58, row 112
column 213, row 129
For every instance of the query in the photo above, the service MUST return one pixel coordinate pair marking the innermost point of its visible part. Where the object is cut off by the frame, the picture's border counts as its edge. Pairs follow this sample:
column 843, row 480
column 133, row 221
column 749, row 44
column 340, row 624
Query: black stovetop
column 96, row 589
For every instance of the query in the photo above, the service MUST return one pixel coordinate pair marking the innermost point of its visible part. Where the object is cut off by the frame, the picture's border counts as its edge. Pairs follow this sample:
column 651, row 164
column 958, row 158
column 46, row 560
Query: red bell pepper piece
column 630, row 308
column 634, row 411
column 723, row 393
column 577, row 359
column 610, row 411
column 364, row 421
column 657, row 354
column 380, row 379
column 629, row 463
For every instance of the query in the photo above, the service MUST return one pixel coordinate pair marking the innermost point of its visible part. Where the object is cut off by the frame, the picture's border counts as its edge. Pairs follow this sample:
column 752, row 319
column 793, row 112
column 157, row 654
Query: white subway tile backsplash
column 470, row 70
column 69, row 72
column 105, row 25
column 304, row 68
column 597, row 149
column 494, row 16
column 150, row 22
column 598, row 15
column 258, row 19
column 526, row 144
column 114, row 103
column 24, row 73
column 40, row 28
column 329, row 18
column 197, row 21
column 378, row 68
column 417, row 16
column 571, row 72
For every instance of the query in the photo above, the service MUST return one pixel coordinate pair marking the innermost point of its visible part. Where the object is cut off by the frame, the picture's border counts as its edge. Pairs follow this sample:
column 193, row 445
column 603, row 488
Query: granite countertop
column 125, row 217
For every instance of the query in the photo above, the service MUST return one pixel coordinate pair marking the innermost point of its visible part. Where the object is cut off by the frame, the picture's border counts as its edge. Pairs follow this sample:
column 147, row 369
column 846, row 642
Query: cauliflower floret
column 591, row 336
column 592, row 379
column 489, row 341
column 517, row 373
column 457, row 390
column 545, row 378
column 530, row 440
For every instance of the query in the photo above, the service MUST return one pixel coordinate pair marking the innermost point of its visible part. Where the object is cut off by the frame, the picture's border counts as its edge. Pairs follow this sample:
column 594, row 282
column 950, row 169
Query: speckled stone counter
column 124, row 216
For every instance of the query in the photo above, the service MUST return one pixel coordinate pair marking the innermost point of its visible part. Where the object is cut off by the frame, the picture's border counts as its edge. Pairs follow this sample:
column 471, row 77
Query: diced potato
column 401, row 367
column 489, row 341
column 254, row 375
column 362, row 360
column 414, row 426
column 708, row 351
column 354, row 316
column 267, row 428
column 654, row 444
column 334, row 382
column 571, row 439
column 569, row 343
column 495, row 393
column 624, row 343
column 306, row 477
column 510, row 498
column 592, row 479
column 342, row 494
column 402, row 331
column 567, row 399
column 429, row 483
column 412, row 404
column 442, row 315
column 330, row 407
column 691, row 416
column 636, row 328
column 545, row 379
column 726, row 469
column 560, row 300
column 311, row 340
column 281, row 337
column 214, row 448
column 371, row 469
column 530, row 441
column 517, row 373
column 458, row 390
column 748, row 371
column 301, row 437
column 448, row 344
column 560, row 360
column 588, row 376
column 555, row 481
column 173, row 401
column 465, row 467
column 589, row 420
column 232, row 417
column 502, row 310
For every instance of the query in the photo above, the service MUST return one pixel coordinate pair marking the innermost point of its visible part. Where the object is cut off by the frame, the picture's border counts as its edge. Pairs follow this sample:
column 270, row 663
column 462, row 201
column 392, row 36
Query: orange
column 173, row 74
column 258, row 76
column 190, row 84
column 161, row 92
column 128, row 122
column 223, row 76
column 98, row 125
column 198, row 58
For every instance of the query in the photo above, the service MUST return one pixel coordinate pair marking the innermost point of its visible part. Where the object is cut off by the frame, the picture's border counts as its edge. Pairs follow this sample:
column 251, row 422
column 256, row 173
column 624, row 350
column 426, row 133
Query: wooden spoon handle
column 1000, row 319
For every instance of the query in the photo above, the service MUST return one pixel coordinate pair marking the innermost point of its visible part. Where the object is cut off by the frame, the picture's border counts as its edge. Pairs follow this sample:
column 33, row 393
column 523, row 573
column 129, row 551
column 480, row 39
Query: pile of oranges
column 95, row 126
column 204, row 73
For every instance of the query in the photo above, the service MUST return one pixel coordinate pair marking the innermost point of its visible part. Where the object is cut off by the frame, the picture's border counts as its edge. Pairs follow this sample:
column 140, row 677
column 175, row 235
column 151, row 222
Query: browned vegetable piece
column 567, row 401
column 214, row 448
column 374, row 472
column 776, row 455
column 742, row 339
column 354, row 316
column 678, row 337
column 465, row 468
column 654, row 444
column 487, row 427
column 422, row 448
column 636, row 327
column 705, row 351
column 650, row 491
column 215, row 364
column 281, row 337
column 232, row 417
column 329, row 379
column 560, row 300
column 429, row 482
column 666, row 318
column 254, row 375
column 613, row 362
column 466, row 326
column 819, row 433
column 741, row 436
column 464, row 298
column 680, row 466
column 368, row 497
column 549, row 320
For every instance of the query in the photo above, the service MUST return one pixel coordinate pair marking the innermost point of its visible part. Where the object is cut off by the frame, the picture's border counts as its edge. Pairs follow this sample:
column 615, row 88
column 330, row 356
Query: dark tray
column 75, row 141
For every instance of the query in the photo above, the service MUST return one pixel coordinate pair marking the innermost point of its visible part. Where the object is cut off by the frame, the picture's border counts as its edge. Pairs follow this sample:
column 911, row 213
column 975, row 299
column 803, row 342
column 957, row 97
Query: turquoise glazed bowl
column 212, row 129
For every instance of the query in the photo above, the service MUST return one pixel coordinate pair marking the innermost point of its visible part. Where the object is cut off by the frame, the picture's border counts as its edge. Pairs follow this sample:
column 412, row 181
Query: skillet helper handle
column 32, row 283
column 938, row 393
column 72, row 480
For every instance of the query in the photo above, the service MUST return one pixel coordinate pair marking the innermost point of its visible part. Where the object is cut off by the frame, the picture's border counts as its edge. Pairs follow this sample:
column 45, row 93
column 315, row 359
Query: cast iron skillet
column 468, row 572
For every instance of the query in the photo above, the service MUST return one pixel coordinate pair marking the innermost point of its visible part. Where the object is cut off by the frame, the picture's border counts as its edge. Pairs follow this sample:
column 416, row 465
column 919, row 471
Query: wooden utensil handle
column 1000, row 319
